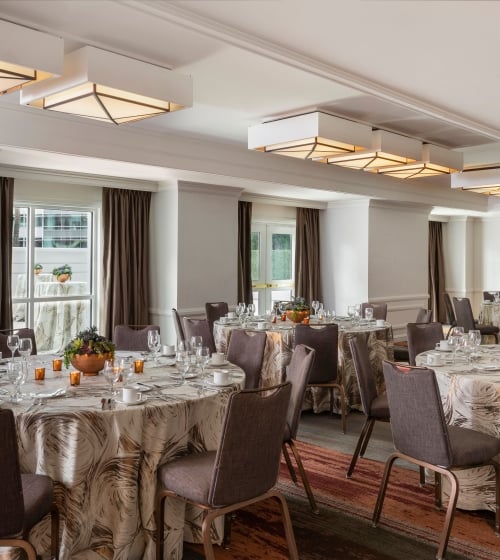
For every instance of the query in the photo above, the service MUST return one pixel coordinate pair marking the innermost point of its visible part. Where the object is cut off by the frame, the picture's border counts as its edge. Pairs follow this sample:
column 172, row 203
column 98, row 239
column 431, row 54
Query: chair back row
column 133, row 337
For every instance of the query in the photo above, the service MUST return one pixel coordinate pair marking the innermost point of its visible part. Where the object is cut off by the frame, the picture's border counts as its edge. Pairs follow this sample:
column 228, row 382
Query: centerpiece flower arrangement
column 297, row 310
column 88, row 351
column 63, row 272
column 38, row 268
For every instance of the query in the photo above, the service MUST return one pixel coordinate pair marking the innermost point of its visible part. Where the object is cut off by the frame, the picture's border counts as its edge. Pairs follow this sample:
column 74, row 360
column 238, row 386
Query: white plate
column 442, row 350
column 212, row 384
column 179, row 375
column 224, row 363
column 141, row 401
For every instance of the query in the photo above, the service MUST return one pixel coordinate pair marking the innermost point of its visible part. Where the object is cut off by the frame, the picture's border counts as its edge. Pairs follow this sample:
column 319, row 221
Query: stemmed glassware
column 315, row 306
column 196, row 342
column 251, row 309
column 112, row 375
column 25, row 348
column 17, row 376
column 475, row 337
column 184, row 365
column 453, row 344
column 13, row 344
column 154, row 344
column 240, row 308
column 203, row 356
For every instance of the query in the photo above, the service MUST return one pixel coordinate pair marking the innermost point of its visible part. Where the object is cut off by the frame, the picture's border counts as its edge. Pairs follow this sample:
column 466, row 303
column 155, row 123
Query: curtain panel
column 245, row 252
column 6, row 212
column 307, row 255
column 436, row 272
column 125, row 279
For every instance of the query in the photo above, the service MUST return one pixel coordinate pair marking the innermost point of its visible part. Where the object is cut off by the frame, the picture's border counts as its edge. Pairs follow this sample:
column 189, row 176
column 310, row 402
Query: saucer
column 212, row 384
column 224, row 363
column 139, row 401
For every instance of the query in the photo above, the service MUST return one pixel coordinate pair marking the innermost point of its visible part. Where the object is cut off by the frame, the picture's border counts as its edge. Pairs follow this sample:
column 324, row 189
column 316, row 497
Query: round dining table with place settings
column 103, row 453
column 470, row 393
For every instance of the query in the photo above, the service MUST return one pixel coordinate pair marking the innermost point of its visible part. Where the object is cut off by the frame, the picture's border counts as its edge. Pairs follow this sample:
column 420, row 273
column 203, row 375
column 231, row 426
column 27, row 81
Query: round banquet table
column 104, row 461
column 470, row 394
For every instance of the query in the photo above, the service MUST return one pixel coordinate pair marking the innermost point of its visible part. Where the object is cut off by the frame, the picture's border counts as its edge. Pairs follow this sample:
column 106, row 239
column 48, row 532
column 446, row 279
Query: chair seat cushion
column 471, row 447
column 401, row 354
column 38, row 493
column 488, row 329
column 189, row 476
column 379, row 407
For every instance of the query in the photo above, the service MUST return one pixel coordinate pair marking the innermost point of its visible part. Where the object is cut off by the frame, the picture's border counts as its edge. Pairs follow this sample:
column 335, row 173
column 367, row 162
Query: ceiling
column 421, row 69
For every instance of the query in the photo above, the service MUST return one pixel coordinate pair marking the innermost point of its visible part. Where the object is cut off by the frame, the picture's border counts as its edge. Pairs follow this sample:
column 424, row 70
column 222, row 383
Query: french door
column 273, row 264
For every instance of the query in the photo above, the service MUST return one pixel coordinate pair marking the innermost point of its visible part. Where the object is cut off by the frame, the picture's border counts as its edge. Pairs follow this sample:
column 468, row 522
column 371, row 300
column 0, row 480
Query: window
column 44, row 239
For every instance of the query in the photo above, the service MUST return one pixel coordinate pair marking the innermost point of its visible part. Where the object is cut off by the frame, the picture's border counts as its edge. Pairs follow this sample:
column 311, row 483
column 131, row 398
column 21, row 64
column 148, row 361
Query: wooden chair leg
column 287, row 524
column 291, row 470
column 54, row 532
column 364, row 436
column 303, row 476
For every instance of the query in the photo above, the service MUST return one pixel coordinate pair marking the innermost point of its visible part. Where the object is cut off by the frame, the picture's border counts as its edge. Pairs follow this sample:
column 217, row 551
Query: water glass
column 13, row 344
column 369, row 313
column 154, row 344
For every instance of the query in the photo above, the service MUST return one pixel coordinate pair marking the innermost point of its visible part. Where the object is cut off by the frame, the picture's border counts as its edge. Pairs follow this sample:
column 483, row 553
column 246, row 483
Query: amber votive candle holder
column 283, row 316
column 57, row 364
column 74, row 378
column 39, row 374
column 138, row 366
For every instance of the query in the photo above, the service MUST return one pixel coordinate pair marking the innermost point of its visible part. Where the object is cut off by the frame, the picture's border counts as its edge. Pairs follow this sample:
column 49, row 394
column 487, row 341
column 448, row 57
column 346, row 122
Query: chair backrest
column 12, row 510
column 24, row 332
column 246, row 350
column 298, row 373
column 248, row 457
column 422, row 337
column 179, row 327
column 450, row 312
column 324, row 340
column 423, row 316
column 417, row 419
column 199, row 327
column 488, row 296
column 364, row 373
column 463, row 313
column 379, row 310
column 215, row 310
column 132, row 337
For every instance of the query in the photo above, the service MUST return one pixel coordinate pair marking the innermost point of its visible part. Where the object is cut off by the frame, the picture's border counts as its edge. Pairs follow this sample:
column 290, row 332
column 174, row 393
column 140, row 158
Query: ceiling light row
column 333, row 140
column 87, row 82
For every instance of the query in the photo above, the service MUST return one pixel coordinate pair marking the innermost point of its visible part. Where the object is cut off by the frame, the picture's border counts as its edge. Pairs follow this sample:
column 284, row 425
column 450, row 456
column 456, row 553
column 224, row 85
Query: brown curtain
column 245, row 252
column 125, row 289
column 436, row 272
column 6, row 211
column 307, row 260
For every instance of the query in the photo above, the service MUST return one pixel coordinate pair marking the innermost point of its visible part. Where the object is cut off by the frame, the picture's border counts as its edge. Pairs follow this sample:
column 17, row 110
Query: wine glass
column 112, row 374
column 17, row 376
column 369, row 313
column 13, row 344
column 195, row 341
column 453, row 344
column 251, row 309
column 240, row 308
column 154, row 344
column 475, row 336
column 203, row 356
column 184, row 366
column 25, row 348
column 315, row 306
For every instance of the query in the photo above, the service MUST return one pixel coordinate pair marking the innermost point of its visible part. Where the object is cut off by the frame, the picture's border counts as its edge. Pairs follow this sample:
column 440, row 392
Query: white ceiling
column 422, row 69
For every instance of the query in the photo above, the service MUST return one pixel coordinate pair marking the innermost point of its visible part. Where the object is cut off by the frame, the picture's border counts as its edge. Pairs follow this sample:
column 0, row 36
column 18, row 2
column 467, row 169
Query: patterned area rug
column 409, row 527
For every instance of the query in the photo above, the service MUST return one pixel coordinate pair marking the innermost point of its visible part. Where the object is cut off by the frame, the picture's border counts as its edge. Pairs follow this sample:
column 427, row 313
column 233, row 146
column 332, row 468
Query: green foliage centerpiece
column 297, row 310
column 63, row 272
column 88, row 351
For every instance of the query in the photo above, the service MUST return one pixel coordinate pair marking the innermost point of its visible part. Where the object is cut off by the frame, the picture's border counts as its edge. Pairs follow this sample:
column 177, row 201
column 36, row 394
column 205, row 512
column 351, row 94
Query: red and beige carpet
column 409, row 527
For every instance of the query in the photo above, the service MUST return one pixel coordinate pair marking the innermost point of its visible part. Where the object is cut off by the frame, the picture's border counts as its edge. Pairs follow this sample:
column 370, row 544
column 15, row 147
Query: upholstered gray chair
column 179, row 327
column 379, row 310
column 423, row 315
column 450, row 312
column 133, row 337
column 297, row 373
column 414, row 400
column 246, row 350
column 401, row 353
column 422, row 337
column 375, row 406
column 214, row 311
column 26, row 498
column 488, row 296
column 242, row 471
column 23, row 332
column 465, row 319
column 199, row 327
column 325, row 373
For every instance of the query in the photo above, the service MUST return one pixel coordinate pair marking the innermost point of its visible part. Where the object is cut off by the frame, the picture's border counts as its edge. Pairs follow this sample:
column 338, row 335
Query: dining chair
column 199, row 327
column 422, row 337
column 24, row 332
column 375, row 406
column 413, row 396
column 179, row 327
column 488, row 296
column 214, row 311
column 297, row 373
column 132, row 337
column 450, row 313
column 401, row 353
column 26, row 498
column 379, row 310
column 465, row 319
column 246, row 350
column 242, row 471
column 325, row 371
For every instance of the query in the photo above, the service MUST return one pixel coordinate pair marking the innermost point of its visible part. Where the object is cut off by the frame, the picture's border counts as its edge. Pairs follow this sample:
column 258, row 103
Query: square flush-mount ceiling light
column 27, row 56
column 387, row 149
column 482, row 181
column 434, row 161
column 109, row 87
column 315, row 136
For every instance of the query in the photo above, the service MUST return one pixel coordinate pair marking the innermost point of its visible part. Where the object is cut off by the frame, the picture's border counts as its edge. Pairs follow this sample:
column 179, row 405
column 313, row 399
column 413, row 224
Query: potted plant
column 297, row 310
column 38, row 268
column 88, row 351
column 62, row 273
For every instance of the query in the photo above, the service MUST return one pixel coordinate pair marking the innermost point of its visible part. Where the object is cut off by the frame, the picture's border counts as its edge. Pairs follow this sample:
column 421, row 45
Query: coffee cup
column 261, row 325
column 443, row 345
column 231, row 315
column 218, row 358
column 221, row 377
column 131, row 395
column 223, row 320
column 380, row 323
column 434, row 359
